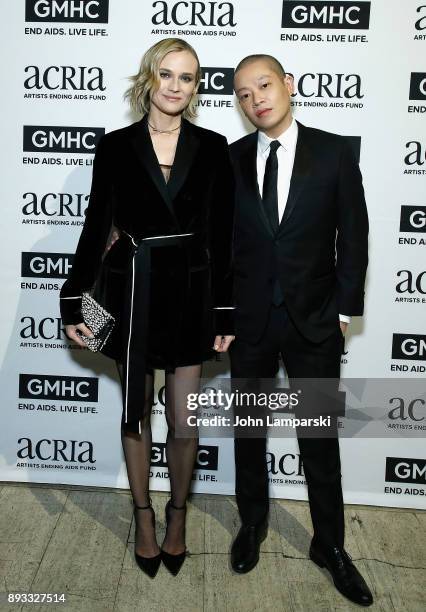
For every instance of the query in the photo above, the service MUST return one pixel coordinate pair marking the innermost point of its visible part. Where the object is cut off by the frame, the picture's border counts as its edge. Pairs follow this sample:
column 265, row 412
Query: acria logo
column 421, row 23
column 217, row 81
column 46, row 265
column 54, row 204
column 207, row 457
column 73, row 11
column 57, row 139
column 221, row 14
column 409, row 346
column 413, row 219
column 327, row 85
column 416, row 155
column 288, row 464
column 47, row 328
column 65, row 78
column 42, row 386
column 405, row 469
column 403, row 410
column 418, row 86
column 410, row 282
column 326, row 15
column 70, row 451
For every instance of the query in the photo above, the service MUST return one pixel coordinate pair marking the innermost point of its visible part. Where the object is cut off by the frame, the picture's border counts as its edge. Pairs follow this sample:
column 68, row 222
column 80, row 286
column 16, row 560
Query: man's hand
column 222, row 343
column 343, row 327
column 71, row 332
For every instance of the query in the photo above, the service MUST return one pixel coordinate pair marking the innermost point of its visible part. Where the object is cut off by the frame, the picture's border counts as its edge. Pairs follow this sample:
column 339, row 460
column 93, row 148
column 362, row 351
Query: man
column 300, row 260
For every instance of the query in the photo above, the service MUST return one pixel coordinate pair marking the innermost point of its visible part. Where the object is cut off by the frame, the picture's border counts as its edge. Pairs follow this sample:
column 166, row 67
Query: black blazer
column 129, row 192
column 320, row 249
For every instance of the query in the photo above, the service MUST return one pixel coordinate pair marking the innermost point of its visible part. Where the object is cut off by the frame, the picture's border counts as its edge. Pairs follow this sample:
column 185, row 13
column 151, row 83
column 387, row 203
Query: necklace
column 164, row 131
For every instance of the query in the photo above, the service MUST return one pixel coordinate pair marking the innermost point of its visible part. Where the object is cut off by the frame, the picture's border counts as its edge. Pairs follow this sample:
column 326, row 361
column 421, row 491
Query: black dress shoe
column 245, row 549
column 149, row 565
column 347, row 579
column 173, row 562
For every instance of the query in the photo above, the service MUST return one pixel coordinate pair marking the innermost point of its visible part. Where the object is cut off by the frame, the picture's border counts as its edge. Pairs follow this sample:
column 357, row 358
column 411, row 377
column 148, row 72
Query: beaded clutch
column 100, row 321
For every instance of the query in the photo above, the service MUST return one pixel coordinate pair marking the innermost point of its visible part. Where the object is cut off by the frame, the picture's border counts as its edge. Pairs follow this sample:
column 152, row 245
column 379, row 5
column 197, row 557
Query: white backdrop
column 358, row 69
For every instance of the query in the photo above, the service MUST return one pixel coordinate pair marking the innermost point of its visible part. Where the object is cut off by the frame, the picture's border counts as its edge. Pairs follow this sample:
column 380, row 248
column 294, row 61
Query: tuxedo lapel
column 142, row 144
column 249, row 175
column 186, row 150
column 301, row 169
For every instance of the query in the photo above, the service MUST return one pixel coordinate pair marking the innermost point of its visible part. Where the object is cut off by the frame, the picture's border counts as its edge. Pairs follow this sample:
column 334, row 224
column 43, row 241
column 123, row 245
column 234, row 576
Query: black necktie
column 270, row 202
column 270, row 192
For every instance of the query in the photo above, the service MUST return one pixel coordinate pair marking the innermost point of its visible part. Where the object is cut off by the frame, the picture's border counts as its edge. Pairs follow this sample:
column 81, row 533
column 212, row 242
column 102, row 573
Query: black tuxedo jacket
column 129, row 192
column 319, row 252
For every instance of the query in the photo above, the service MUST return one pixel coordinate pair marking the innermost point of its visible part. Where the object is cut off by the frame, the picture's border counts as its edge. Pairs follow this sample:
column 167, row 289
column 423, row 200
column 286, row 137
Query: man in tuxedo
column 300, row 259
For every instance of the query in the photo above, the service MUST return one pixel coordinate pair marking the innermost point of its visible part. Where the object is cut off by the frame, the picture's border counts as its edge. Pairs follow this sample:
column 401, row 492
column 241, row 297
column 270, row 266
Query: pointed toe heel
column 173, row 562
column 149, row 565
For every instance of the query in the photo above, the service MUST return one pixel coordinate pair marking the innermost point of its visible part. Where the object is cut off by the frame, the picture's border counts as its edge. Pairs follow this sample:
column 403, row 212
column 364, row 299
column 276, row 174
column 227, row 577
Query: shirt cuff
column 344, row 318
column 224, row 320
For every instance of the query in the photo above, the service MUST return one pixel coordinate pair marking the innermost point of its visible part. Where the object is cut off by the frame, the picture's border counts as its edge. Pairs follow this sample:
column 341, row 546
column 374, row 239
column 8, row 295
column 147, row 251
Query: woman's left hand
column 222, row 343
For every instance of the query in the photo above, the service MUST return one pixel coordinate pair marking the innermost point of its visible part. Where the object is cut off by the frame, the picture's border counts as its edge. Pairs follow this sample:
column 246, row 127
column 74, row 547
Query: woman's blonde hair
column 148, row 78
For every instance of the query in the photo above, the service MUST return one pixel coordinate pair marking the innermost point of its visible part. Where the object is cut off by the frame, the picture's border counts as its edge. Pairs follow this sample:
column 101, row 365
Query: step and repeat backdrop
column 359, row 70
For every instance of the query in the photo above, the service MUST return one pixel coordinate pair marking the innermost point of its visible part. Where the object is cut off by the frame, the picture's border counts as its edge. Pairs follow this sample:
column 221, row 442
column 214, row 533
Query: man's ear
column 288, row 79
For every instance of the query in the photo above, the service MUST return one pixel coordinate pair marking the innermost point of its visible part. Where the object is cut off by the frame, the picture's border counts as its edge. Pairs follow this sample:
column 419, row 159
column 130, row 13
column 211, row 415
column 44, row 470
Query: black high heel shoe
column 173, row 562
column 149, row 565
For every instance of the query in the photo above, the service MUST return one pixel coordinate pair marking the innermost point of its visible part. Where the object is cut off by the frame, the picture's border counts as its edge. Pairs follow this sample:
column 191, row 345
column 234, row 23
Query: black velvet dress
column 167, row 280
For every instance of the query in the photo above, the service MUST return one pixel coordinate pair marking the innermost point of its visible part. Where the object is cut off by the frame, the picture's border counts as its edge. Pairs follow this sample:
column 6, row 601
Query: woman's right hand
column 71, row 332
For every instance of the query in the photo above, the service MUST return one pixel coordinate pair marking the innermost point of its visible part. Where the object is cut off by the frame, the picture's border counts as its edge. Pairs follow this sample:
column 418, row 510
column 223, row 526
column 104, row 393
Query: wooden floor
column 78, row 541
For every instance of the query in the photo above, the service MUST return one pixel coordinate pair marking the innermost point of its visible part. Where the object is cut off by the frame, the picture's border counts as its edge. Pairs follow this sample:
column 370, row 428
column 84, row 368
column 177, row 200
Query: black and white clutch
column 98, row 320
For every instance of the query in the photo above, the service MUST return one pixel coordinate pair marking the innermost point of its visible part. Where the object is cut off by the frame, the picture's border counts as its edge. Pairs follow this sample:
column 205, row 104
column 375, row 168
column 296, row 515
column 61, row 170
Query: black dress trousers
column 320, row 456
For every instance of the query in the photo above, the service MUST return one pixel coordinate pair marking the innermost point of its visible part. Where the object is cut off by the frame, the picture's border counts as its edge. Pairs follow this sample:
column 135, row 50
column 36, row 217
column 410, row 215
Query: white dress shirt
column 285, row 155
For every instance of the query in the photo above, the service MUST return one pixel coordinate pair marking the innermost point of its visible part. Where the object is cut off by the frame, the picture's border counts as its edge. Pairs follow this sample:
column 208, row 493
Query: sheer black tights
column 181, row 448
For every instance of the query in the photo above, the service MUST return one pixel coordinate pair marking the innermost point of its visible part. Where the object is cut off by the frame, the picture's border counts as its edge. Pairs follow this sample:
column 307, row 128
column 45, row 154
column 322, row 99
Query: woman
column 167, row 186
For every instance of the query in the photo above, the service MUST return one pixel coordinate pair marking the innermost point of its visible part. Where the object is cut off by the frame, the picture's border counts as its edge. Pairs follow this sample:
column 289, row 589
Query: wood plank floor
column 79, row 541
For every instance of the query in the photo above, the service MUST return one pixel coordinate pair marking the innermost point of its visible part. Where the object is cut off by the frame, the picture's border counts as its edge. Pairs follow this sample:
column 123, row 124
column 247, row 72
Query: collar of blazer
column 301, row 169
column 186, row 151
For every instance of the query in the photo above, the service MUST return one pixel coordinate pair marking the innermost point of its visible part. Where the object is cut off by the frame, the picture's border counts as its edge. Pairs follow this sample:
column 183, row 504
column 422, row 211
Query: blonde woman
column 167, row 186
